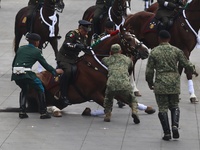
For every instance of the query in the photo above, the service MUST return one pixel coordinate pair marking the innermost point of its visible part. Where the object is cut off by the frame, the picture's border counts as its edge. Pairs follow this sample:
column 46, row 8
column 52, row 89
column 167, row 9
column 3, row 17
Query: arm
column 149, row 73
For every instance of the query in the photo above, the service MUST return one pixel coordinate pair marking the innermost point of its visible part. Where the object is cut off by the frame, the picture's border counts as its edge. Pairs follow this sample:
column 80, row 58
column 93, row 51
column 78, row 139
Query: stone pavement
column 73, row 131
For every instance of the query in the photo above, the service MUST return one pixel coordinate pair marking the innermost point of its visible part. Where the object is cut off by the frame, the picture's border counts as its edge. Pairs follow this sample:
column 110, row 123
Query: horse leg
column 135, row 89
column 147, row 109
column 54, row 44
column 55, row 111
column 17, row 40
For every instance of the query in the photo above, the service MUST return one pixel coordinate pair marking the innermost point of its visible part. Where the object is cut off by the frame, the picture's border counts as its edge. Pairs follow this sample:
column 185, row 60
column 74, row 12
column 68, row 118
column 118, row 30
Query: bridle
column 129, row 48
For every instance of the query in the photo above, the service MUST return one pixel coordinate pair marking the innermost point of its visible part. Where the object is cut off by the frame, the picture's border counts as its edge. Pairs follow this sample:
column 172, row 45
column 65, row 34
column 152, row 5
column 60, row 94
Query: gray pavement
column 73, row 131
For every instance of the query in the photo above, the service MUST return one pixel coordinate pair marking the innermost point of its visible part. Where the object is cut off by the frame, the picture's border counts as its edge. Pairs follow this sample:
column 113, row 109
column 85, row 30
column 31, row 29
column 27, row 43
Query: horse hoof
column 137, row 93
column 86, row 112
column 57, row 114
column 194, row 100
column 150, row 110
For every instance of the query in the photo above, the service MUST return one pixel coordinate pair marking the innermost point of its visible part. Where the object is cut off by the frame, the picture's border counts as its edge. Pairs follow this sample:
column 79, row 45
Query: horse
column 152, row 8
column 90, row 72
column 44, row 22
column 116, row 13
column 183, row 33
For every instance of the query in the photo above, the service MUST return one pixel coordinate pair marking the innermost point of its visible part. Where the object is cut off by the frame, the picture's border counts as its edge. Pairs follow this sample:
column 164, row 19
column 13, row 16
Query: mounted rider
column 102, row 7
column 167, row 11
column 75, row 42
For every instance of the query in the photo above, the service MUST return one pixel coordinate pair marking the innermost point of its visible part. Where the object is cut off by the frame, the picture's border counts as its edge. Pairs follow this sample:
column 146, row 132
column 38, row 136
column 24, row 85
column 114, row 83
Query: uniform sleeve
column 149, row 73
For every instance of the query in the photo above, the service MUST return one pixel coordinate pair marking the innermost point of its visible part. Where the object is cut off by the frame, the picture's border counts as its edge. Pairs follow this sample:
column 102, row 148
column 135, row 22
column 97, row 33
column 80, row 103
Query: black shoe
column 65, row 101
column 136, row 119
column 120, row 104
column 167, row 137
column 45, row 116
column 175, row 132
column 23, row 115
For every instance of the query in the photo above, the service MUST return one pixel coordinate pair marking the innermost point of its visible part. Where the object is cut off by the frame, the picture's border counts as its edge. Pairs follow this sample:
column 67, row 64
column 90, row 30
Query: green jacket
column 162, row 63
column 70, row 53
column 118, row 75
column 27, row 56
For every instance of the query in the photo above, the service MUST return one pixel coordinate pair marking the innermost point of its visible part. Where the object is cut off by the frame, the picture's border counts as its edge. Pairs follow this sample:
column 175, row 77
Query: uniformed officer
column 26, row 56
column 166, row 11
column 118, row 82
column 75, row 41
column 163, row 61
column 102, row 7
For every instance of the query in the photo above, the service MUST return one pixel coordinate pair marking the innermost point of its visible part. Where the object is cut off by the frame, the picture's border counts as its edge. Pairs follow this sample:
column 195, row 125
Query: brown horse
column 116, row 13
column 152, row 8
column 43, row 22
column 90, row 80
column 184, row 33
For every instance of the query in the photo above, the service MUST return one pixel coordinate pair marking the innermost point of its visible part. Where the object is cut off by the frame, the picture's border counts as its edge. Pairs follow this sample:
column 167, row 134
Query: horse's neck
column 192, row 14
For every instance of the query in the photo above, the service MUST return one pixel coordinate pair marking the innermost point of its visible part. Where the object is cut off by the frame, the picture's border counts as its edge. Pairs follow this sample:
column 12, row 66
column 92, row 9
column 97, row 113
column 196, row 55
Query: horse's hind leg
column 54, row 44
column 17, row 41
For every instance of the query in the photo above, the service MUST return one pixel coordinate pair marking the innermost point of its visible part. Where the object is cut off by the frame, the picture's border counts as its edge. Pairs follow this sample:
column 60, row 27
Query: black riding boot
column 63, row 88
column 22, row 103
column 175, row 114
column 42, row 106
column 163, row 116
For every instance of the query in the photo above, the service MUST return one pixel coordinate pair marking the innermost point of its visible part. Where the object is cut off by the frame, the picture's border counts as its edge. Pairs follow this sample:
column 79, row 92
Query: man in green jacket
column 162, row 62
column 26, row 56
column 118, row 82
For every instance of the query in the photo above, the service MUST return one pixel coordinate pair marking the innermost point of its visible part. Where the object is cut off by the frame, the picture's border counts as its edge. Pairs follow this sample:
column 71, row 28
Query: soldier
column 167, row 11
column 102, row 7
column 163, row 61
column 118, row 82
column 75, row 42
column 25, row 78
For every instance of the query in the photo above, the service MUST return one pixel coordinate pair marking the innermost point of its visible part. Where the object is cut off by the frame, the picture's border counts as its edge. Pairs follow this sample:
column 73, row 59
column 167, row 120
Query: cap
column 163, row 34
column 33, row 36
column 110, row 24
column 115, row 48
column 85, row 24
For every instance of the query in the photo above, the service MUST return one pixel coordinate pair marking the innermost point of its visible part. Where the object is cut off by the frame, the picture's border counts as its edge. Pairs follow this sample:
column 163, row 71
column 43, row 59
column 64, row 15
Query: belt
column 20, row 70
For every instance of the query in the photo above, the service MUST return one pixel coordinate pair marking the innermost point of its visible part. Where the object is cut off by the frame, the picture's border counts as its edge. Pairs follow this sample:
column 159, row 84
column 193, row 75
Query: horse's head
column 132, row 46
column 120, row 7
column 57, row 5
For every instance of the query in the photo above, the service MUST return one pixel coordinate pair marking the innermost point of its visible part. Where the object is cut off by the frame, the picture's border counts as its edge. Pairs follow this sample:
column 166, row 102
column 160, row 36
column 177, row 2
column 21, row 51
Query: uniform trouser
column 127, row 95
column 65, row 77
column 25, row 85
column 165, row 102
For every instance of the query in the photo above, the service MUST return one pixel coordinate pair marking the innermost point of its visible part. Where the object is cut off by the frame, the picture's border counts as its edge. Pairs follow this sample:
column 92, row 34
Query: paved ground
column 73, row 131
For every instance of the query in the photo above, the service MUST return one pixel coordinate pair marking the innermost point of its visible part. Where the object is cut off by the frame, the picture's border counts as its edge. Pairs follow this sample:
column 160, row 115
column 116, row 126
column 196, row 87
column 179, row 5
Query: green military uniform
column 162, row 62
column 118, row 82
column 26, row 57
column 73, row 44
column 166, row 13
column 102, row 7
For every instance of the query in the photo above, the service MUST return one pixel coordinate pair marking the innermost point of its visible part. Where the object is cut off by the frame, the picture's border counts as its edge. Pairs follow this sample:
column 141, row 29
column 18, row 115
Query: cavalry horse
column 116, row 13
column 184, row 33
column 43, row 22
column 90, row 77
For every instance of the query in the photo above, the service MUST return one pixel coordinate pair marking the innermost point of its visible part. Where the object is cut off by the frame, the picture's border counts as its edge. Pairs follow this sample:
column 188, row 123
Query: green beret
column 163, row 34
column 33, row 37
column 115, row 48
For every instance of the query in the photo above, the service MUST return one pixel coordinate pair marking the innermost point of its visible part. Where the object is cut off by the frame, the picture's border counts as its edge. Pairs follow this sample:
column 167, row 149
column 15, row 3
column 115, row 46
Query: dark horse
column 184, row 33
column 90, row 78
column 116, row 13
column 44, row 22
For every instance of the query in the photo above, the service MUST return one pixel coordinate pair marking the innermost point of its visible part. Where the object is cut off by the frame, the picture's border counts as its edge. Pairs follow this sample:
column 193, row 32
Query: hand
column 59, row 71
column 80, row 46
column 151, row 86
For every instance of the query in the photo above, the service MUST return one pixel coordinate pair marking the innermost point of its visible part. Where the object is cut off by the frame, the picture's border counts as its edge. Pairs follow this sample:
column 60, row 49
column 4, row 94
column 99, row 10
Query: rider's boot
column 163, row 116
column 64, row 82
column 42, row 106
column 175, row 114
column 22, row 103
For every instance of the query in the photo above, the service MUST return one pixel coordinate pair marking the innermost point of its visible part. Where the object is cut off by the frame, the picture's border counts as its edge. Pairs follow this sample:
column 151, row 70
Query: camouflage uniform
column 118, row 82
column 166, row 11
column 162, row 62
